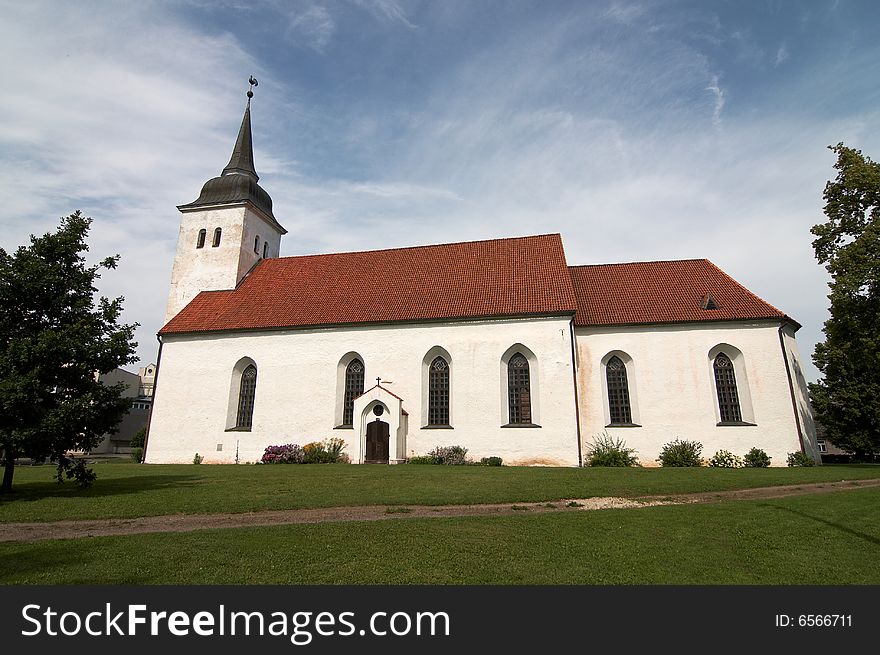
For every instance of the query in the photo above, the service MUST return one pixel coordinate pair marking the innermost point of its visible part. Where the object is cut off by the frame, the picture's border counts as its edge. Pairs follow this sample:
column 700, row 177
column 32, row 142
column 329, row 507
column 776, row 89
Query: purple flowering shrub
column 449, row 455
column 287, row 454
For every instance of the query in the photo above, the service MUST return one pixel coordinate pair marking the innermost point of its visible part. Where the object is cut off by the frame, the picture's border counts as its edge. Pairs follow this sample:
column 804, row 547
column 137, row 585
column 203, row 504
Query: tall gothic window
column 217, row 233
column 518, row 389
column 725, row 384
column 246, row 393
column 438, row 392
column 200, row 242
column 354, row 387
column 618, row 392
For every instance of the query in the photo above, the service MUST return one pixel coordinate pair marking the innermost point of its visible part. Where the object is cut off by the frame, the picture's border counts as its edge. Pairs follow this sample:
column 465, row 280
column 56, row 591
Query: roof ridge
column 419, row 247
column 650, row 261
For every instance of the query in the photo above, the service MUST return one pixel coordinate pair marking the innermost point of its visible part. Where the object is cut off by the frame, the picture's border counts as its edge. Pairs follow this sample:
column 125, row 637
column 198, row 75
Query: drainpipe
column 153, row 403
column 797, row 417
column 577, row 409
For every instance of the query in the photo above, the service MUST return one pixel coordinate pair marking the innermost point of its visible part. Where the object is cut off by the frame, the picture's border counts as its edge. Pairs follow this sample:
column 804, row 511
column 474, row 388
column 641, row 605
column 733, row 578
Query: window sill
column 437, row 427
column 237, row 430
column 521, row 425
column 722, row 424
column 344, row 427
column 623, row 425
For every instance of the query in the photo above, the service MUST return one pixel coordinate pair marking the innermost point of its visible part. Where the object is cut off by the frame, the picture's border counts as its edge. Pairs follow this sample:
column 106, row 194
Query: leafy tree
column 847, row 399
column 54, row 341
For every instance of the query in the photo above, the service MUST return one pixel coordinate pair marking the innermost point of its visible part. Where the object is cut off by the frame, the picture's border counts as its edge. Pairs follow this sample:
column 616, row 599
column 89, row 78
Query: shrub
column 137, row 441
column 800, row 458
column 421, row 459
column 491, row 461
column 449, row 455
column 323, row 452
column 197, row 459
column 137, row 455
column 756, row 458
column 287, row 454
column 726, row 460
column 608, row 451
column 681, row 453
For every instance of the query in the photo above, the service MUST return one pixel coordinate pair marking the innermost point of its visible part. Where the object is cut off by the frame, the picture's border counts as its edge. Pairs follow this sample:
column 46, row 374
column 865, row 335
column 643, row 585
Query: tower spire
column 242, row 160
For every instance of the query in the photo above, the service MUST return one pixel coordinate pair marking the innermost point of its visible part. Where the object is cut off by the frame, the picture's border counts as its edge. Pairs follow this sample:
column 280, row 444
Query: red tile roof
column 662, row 292
column 500, row 277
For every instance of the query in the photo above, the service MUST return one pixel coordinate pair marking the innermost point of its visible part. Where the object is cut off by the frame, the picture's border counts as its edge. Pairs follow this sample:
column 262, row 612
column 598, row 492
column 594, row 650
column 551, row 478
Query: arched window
column 438, row 392
column 518, row 390
column 618, row 392
column 257, row 244
column 246, row 393
column 354, row 387
column 265, row 249
column 217, row 234
column 200, row 242
column 725, row 384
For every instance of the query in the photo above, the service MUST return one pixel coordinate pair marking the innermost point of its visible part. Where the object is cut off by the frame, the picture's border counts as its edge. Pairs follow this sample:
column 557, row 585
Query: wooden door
column 377, row 442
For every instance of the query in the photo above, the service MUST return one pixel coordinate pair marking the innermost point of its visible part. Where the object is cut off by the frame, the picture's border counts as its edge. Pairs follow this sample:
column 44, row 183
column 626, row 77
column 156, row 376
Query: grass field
column 819, row 539
column 132, row 490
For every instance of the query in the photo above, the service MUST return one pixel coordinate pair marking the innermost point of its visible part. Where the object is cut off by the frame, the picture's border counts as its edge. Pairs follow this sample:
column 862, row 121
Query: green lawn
column 131, row 490
column 819, row 539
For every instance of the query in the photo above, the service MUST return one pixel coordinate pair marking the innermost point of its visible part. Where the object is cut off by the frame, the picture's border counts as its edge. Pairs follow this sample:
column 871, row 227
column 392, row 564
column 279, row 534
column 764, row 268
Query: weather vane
column 253, row 82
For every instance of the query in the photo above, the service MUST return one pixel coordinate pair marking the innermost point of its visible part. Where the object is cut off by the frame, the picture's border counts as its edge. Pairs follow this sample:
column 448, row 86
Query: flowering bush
column 757, row 458
column 287, row 454
column 328, row 451
column 726, row 460
column 450, row 455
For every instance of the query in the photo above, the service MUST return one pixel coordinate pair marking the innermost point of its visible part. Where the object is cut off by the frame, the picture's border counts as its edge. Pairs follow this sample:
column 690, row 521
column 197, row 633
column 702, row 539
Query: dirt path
column 191, row 522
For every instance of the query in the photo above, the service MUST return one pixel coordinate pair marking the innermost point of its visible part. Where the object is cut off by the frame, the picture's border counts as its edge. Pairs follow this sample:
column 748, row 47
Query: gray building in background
column 139, row 388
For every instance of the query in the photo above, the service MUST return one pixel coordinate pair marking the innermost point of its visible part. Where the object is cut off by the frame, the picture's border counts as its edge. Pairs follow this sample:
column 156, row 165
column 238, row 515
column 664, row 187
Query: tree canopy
column 54, row 342
column 847, row 398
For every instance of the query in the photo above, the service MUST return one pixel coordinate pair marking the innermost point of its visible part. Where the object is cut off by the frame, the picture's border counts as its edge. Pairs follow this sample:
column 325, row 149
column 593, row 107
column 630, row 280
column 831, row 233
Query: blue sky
column 639, row 131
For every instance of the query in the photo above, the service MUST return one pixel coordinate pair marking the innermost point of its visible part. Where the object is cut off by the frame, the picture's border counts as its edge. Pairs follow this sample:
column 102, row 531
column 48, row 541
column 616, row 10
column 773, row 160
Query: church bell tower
column 227, row 229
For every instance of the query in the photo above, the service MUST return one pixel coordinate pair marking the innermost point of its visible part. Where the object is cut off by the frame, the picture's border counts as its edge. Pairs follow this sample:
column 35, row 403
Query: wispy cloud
column 623, row 12
column 782, row 55
column 389, row 10
column 313, row 26
column 719, row 99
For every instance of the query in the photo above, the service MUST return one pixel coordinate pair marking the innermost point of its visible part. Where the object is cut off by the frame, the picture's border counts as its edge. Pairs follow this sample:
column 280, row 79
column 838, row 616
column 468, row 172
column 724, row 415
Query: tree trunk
column 8, row 470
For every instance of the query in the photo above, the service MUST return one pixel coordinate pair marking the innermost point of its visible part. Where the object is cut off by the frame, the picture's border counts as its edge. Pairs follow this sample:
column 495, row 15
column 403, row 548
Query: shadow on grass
column 31, row 491
column 842, row 528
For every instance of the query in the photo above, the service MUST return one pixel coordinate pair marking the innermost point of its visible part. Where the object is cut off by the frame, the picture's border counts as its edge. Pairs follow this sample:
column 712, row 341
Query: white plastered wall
column 676, row 389
column 297, row 386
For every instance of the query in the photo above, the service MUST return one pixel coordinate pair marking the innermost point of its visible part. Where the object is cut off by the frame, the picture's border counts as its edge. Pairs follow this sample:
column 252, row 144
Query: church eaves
column 518, row 277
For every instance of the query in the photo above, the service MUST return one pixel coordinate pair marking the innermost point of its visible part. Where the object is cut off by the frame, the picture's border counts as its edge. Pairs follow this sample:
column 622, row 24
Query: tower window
column 257, row 244
column 217, row 233
column 265, row 249
column 200, row 242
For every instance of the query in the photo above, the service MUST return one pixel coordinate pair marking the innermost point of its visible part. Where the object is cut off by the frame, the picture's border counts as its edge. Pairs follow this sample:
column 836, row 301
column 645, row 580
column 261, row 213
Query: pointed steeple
column 238, row 182
column 242, row 160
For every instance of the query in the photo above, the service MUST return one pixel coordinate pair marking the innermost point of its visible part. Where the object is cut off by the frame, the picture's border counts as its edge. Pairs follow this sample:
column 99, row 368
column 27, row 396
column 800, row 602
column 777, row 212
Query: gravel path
column 24, row 532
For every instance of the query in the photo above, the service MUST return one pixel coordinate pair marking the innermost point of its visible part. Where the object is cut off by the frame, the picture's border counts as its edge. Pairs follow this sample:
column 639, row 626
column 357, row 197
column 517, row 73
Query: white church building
column 498, row 346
